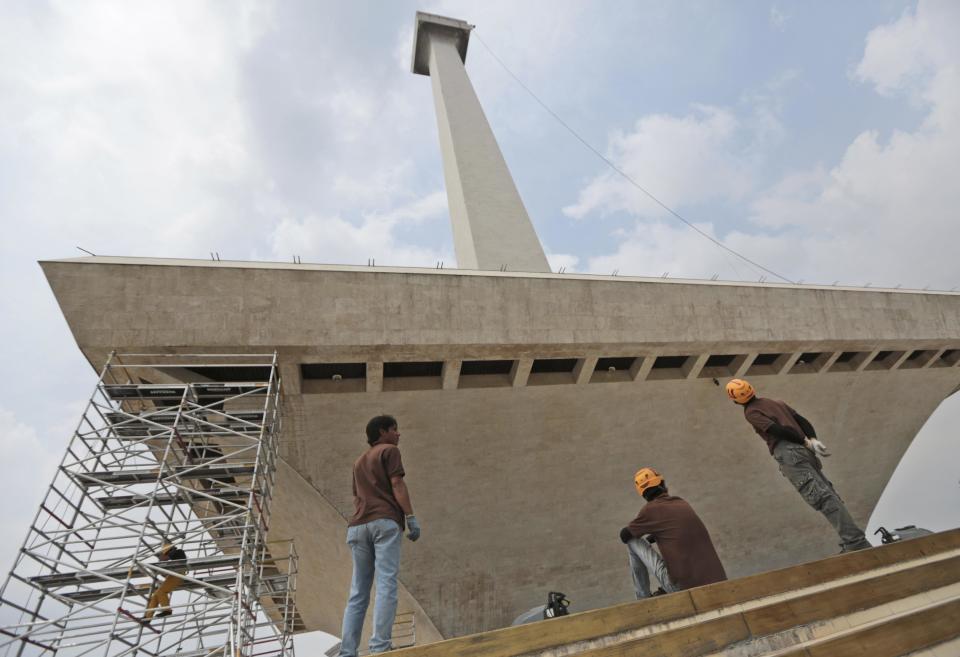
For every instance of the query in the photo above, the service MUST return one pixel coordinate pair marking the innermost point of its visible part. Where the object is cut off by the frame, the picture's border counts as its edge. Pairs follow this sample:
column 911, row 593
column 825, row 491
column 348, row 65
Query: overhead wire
column 620, row 171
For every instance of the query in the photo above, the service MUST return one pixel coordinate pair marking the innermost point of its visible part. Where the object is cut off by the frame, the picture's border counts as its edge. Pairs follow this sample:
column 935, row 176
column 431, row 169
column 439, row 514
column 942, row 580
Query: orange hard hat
column 740, row 391
column 646, row 478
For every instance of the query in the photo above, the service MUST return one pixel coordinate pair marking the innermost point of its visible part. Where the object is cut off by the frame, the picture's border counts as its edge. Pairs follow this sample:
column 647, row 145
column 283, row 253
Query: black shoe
column 659, row 591
column 164, row 613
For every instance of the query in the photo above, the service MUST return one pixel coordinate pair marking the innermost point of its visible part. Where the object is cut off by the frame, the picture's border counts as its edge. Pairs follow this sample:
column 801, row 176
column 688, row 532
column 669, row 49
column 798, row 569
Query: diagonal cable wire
column 620, row 171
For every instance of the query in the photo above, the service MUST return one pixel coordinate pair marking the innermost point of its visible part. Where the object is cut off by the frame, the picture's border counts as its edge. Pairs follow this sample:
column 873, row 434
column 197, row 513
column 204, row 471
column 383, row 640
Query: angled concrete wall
column 522, row 485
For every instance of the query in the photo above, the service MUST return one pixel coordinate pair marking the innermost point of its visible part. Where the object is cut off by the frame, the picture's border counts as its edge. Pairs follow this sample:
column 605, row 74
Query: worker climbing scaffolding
column 160, row 598
column 793, row 443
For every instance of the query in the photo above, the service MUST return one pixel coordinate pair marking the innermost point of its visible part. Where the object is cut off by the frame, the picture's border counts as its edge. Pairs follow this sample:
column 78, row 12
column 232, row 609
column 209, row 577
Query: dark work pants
column 803, row 469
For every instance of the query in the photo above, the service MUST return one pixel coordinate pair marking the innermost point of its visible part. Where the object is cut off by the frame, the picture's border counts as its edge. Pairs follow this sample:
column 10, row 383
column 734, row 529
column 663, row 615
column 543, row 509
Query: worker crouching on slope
column 687, row 557
column 793, row 442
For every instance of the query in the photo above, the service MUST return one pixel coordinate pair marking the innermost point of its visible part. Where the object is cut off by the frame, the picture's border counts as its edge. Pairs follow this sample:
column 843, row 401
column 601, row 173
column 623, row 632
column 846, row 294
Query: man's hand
column 413, row 528
column 816, row 447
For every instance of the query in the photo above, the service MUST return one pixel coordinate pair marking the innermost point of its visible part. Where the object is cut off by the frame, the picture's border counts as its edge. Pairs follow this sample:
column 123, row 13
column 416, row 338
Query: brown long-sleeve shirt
column 763, row 413
column 684, row 542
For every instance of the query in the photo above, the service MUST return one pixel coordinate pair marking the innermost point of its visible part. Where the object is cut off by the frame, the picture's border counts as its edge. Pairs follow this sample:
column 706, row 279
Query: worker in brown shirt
column 382, row 509
column 793, row 443
column 687, row 557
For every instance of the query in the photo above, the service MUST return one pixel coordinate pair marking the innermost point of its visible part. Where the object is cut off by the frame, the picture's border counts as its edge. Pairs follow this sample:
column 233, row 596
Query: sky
column 819, row 139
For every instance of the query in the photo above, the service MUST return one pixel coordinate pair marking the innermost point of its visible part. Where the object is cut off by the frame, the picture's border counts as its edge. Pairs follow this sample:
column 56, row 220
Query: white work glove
column 816, row 447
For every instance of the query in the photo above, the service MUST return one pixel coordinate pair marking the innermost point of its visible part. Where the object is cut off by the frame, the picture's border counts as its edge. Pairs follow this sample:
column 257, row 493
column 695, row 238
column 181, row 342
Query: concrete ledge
column 842, row 600
column 559, row 631
column 724, row 594
column 691, row 640
column 900, row 636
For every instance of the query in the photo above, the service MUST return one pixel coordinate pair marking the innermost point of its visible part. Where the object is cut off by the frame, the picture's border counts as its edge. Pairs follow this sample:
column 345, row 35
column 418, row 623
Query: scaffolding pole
column 152, row 537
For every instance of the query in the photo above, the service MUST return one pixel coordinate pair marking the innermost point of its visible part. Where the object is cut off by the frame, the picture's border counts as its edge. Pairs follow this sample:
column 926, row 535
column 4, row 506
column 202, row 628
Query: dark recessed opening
column 720, row 360
column 315, row 371
column 544, row 365
column 919, row 358
column 414, row 368
column 948, row 358
column 222, row 373
column 617, row 363
column 846, row 357
column 766, row 359
column 669, row 362
column 809, row 356
column 884, row 360
column 471, row 367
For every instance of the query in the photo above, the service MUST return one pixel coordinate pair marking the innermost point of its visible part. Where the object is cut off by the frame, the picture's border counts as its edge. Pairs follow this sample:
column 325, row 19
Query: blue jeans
column 376, row 551
column 643, row 559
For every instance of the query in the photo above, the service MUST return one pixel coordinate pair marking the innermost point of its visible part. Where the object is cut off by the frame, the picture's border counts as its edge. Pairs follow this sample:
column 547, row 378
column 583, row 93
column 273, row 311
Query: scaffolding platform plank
column 188, row 565
column 269, row 586
column 126, row 391
column 91, row 595
column 126, row 501
column 152, row 424
column 224, row 472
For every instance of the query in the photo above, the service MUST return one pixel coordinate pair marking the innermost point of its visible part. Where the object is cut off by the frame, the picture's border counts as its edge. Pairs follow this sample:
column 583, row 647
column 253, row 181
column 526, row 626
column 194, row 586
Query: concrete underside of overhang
column 522, row 488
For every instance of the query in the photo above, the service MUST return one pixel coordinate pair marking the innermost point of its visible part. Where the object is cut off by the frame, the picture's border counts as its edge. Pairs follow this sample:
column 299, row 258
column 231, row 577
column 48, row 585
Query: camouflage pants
column 802, row 468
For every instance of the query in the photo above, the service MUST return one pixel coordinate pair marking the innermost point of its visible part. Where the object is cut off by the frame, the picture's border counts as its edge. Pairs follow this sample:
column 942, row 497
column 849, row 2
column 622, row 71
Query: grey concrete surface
column 522, row 479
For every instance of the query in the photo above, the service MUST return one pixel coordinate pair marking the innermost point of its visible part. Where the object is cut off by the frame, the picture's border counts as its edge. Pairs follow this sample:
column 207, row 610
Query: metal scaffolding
column 152, row 538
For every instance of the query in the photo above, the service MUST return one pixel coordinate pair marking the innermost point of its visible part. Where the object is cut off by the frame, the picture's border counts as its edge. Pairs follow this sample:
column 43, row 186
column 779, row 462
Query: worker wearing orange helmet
column 793, row 442
column 687, row 557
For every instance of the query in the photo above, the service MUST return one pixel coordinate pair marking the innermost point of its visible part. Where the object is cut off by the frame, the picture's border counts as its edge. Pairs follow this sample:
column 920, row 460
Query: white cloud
column 101, row 116
column 27, row 466
column 657, row 248
column 903, row 56
column 779, row 18
column 337, row 240
column 565, row 261
column 681, row 160
column 884, row 213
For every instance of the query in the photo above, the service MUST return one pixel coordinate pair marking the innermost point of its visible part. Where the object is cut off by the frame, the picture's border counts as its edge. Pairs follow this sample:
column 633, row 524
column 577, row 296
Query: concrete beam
column 451, row 374
column 374, row 376
column 641, row 367
column 520, row 372
column 693, row 366
column 745, row 364
column 584, row 369
column 789, row 362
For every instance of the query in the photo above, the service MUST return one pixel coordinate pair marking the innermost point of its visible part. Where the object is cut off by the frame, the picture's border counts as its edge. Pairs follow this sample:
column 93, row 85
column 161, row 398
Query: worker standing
column 382, row 509
column 793, row 442
column 687, row 557
column 160, row 599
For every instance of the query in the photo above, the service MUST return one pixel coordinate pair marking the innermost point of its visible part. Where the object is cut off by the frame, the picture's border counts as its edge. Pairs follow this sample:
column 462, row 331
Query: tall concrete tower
column 491, row 228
